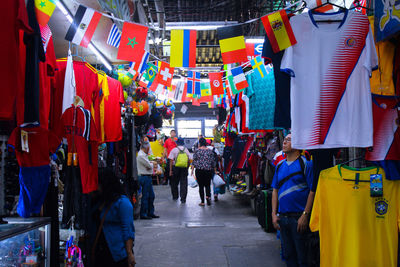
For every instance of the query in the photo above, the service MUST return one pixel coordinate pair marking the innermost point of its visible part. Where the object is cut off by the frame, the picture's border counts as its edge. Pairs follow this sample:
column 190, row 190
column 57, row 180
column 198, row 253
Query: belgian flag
column 233, row 47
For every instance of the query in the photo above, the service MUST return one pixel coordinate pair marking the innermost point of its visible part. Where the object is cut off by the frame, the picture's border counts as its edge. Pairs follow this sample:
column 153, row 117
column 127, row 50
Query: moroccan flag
column 165, row 74
column 44, row 9
column 206, row 95
column 217, row 86
column 279, row 31
column 83, row 27
column 183, row 48
column 231, row 41
column 258, row 66
column 132, row 42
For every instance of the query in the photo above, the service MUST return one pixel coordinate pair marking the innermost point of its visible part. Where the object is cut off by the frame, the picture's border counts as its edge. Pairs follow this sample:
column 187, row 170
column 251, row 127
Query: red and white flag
column 165, row 74
column 217, row 86
column 83, row 27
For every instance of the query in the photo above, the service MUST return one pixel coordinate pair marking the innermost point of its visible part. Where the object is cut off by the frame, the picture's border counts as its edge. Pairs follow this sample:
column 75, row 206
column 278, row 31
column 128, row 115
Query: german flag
column 233, row 47
column 279, row 31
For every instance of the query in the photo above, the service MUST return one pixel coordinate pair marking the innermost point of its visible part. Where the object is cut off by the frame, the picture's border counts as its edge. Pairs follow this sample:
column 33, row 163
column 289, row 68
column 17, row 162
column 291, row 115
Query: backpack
column 182, row 159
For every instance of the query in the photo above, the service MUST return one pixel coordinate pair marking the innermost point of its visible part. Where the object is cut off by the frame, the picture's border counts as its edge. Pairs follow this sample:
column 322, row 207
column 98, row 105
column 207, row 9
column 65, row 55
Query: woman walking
column 204, row 162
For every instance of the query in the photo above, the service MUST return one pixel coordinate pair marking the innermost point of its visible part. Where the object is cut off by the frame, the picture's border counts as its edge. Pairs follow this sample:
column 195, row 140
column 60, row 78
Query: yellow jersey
column 356, row 229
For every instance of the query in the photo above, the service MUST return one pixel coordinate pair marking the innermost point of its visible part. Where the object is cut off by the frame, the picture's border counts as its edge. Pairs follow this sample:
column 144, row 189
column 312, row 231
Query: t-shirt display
column 282, row 86
column 330, row 90
column 356, row 229
column 78, row 127
column 112, row 111
column 15, row 19
column 261, row 93
column 386, row 129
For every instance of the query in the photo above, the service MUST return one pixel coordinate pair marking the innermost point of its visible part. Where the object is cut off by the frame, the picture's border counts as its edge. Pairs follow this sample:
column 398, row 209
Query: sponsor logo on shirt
column 350, row 42
column 381, row 207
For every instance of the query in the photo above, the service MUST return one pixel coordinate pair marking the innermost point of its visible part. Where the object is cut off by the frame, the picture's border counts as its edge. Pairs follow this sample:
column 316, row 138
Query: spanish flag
column 44, row 9
column 279, row 31
column 183, row 48
column 233, row 47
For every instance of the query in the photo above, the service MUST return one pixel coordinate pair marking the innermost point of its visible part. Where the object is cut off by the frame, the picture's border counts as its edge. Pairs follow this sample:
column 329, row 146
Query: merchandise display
column 289, row 109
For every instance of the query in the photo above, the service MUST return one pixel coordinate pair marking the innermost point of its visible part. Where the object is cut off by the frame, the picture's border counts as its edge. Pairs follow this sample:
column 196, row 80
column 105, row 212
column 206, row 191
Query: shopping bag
column 192, row 181
column 218, row 181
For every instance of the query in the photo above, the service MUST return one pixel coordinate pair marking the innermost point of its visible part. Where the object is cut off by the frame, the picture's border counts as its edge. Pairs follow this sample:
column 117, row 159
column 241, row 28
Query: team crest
column 350, row 42
column 82, row 26
column 381, row 206
column 276, row 25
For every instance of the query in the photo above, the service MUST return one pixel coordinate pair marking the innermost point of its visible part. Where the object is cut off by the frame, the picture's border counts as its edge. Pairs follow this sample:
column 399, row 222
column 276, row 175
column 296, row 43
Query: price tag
column 376, row 187
column 24, row 141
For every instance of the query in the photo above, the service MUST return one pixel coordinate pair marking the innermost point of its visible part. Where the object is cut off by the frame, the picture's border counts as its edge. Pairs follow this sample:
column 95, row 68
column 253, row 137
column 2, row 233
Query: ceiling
column 158, row 13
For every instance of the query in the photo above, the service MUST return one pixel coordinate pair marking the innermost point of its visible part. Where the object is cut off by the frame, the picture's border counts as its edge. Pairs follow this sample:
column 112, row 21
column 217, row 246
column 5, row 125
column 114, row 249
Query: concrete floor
column 225, row 234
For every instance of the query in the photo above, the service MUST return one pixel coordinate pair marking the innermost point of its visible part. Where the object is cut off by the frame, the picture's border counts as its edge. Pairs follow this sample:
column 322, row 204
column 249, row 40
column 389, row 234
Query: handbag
column 99, row 232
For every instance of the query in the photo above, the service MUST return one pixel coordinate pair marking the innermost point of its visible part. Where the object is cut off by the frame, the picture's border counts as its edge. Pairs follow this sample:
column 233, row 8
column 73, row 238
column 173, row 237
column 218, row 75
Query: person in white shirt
column 179, row 160
column 145, row 171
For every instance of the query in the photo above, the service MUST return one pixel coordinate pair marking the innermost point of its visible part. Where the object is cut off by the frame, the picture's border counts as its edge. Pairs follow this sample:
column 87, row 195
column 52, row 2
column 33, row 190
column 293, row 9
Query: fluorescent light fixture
column 198, row 25
column 64, row 10
column 100, row 56
column 255, row 41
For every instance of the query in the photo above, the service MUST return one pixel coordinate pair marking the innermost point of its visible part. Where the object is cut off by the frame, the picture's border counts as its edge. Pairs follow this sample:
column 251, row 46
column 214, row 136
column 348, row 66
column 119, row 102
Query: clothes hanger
column 341, row 9
column 358, row 5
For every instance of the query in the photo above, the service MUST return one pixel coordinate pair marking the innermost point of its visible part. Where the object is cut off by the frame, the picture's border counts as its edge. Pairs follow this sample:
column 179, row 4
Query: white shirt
column 330, row 90
column 144, row 166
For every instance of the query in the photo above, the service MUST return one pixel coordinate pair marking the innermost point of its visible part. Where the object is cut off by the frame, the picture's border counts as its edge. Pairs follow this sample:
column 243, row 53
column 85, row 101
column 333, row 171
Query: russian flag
column 83, row 27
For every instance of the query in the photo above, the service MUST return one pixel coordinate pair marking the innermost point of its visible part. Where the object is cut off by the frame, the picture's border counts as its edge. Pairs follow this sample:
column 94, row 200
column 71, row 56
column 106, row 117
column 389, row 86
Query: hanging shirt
column 82, row 139
column 356, row 229
column 282, row 86
column 261, row 92
column 330, row 90
column 382, row 79
column 112, row 111
column 103, row 96
column 386, row 129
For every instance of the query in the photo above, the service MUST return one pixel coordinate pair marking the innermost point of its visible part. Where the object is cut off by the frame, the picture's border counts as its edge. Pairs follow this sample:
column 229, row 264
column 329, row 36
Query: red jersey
column 169, row 145
column 112, row 111
column 385, row 110
column 14, row 18
column 41, row 142
column 82, row 139
column 87, row 87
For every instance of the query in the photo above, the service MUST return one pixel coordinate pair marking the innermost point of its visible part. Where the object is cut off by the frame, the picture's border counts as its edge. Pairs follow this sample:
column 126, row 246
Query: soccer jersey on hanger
column 330, row 90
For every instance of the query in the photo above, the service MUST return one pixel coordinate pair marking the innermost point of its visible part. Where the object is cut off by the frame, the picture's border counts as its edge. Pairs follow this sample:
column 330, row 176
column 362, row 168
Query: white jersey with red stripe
column 330, row 91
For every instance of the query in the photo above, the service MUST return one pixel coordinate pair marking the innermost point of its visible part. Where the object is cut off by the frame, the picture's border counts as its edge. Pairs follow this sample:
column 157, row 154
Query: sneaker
column 216, row 198
column 208, row 201
column 154, row 216
column 183, row 201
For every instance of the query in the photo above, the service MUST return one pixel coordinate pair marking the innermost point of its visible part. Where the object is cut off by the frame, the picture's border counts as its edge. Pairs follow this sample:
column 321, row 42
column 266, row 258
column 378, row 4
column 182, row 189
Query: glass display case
column 25, row 242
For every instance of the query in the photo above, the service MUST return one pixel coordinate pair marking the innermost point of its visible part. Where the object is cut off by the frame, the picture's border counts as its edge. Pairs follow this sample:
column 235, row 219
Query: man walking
column 292, row 202
column 179, row 160
column 169, row 144
column 145, row 171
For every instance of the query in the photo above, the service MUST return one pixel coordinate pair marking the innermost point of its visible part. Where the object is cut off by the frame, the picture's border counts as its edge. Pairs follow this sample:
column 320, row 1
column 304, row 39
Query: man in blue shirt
column 292, row 202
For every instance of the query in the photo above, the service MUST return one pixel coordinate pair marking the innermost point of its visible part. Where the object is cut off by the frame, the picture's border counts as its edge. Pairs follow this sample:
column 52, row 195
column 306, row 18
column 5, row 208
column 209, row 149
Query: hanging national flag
column 69, row 84
column 206, row 95
column 193, row 84
column 217, row 86
column 44, row 9
column 46, row 34
column 253, row 50
column 132, row 43
column 279, row 31
column 195, row 102
column 231, row 41
column 165, row 74
column 149, row 76
column 237, row 81
column 140, row 68
column 258, row 66
column 83, row 27
column 132, row 73
column 114, row 37
column 179, row 90
column 183, row 48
